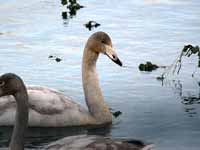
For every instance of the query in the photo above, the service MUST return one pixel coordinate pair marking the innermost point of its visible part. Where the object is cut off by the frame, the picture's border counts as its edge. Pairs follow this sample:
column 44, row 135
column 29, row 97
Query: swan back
column 94, row 142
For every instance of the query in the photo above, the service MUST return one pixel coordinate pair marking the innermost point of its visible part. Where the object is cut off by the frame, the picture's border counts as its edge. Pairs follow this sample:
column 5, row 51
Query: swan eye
column 103, row 41
column 2, row 83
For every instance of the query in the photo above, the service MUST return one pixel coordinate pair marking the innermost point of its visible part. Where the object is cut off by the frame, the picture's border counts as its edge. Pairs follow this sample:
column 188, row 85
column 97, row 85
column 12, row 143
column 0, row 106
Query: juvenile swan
column 50, row 108
column 11, row 84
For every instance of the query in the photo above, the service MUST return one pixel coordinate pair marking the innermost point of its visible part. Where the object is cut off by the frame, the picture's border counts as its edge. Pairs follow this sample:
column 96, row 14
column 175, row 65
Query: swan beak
column 118, row 61
column 110, row 52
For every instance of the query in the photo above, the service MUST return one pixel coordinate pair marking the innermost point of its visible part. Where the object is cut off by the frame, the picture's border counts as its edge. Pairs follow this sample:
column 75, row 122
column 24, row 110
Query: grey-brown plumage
column 51, row 108
column 93, row 142
column 60, row 110
column 11, row 84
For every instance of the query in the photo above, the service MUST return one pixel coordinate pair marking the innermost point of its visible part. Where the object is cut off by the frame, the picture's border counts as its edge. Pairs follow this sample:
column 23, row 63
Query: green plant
column 188, row 50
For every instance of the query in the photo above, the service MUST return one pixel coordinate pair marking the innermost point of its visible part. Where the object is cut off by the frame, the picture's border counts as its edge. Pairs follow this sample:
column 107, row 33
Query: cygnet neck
column 17, row 140
column 93, row 95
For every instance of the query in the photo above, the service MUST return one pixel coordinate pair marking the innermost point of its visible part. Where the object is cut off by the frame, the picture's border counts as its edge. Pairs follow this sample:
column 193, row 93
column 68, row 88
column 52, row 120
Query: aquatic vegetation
column 72, row 2
column 148, row 66
column 64, row 2
column 70, row 7
column 91, row 24
column 64, row 15
column 115, row 114
column 51, row 56
column 191, row 100
column 175, row 67
column 187, row 50
column 57, row 59
column 75, row 6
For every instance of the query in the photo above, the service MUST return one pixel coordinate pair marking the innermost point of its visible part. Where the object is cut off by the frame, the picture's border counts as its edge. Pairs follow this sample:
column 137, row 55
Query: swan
column 51, row 108
column 11, row 84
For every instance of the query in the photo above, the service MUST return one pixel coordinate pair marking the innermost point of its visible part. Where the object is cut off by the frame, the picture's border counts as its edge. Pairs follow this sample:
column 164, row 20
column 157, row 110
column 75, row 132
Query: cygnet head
column 100, row 42
column 10, row 84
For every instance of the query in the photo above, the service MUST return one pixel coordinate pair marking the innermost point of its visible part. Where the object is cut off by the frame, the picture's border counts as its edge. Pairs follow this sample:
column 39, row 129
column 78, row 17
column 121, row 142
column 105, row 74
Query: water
column 141, row 30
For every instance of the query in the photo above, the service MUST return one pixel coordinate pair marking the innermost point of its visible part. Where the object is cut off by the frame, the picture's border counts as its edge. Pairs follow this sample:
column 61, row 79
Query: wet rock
column 91, row 24
column 148, row 66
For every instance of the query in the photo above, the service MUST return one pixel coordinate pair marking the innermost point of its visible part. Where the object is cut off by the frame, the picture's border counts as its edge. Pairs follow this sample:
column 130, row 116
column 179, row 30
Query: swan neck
column 93, row 95
column 21, row 121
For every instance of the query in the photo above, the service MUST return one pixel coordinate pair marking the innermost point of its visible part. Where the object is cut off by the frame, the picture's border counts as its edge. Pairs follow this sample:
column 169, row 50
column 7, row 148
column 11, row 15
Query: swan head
column 100, row 42
column 10, row 84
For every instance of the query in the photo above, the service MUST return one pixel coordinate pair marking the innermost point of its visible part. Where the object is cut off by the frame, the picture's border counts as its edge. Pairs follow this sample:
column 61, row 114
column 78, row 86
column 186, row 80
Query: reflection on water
column 189, row 100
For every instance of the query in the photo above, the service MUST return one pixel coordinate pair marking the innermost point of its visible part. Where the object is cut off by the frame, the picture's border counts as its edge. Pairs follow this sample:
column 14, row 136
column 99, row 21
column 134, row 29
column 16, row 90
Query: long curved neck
column 21, row 121
column 93, row 95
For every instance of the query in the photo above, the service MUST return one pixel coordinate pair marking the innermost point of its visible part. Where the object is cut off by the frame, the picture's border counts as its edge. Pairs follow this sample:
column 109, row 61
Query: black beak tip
column 118, row 62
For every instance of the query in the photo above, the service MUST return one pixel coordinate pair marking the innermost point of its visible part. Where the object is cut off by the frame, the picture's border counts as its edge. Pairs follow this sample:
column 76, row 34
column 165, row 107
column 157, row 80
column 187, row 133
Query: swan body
column 94, row 142
column 51, row 108
column 11, row 84
column 47, row 107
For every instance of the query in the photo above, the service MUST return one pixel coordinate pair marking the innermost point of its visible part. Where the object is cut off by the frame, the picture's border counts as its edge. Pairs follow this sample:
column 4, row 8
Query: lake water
column 167, row 114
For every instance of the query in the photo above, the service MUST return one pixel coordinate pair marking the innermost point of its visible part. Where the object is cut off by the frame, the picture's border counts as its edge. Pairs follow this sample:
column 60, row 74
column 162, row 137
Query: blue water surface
column 141, row 30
